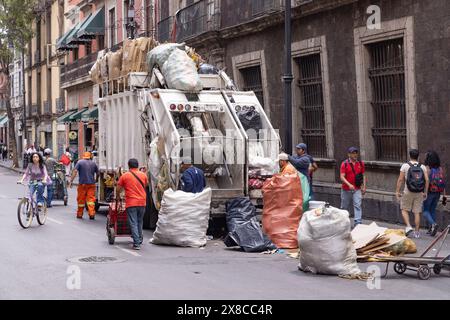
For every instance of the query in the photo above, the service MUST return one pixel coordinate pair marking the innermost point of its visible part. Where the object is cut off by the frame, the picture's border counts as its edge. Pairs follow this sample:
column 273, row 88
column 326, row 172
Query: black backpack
column 415, row 180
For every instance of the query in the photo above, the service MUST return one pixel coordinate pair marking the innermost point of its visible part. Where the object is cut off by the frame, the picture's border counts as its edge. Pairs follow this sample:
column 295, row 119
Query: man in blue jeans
column 134, row 182
column 353, row 183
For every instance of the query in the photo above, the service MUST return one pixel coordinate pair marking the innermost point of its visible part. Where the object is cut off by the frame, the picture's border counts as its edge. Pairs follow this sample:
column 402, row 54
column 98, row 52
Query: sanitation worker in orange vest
column 88, row 171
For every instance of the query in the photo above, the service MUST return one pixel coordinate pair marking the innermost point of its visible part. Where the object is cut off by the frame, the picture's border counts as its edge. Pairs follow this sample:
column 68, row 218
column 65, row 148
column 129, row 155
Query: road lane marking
column 55, row 221
column 129, row 251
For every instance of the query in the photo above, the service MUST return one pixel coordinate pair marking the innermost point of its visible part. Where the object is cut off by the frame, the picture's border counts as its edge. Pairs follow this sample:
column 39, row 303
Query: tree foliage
column 16, row 17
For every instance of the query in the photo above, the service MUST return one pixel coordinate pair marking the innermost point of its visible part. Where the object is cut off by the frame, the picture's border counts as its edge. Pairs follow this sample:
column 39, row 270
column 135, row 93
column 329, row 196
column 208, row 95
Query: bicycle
column 28, row 208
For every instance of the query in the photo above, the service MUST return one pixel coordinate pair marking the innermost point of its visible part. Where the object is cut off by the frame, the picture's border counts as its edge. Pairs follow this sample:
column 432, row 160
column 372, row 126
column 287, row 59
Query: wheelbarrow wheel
column 399, row 267
column 437, row 268
column 111, row 235
column 424, row 272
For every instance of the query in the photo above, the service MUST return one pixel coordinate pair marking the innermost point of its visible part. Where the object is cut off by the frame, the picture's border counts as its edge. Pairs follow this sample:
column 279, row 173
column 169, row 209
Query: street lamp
column 288, row 77
column 131, row 23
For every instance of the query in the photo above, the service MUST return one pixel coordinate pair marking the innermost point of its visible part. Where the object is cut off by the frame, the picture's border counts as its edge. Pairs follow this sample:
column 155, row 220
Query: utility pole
column 288, row 78
column 24, row 114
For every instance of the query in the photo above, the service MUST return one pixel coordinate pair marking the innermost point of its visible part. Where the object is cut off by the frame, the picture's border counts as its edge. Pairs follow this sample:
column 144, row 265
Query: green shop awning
column 65, row 117
column 77, row 115
column 63, row 42
column 90, row 115
column 72, row 38
column 4, row 120
column 93, row 25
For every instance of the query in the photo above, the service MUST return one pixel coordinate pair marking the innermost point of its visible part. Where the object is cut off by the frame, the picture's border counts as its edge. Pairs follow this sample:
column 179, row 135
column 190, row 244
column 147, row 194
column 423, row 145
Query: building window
column 387, row 77
column 112, row 27
column 252, row 81
column 101, row 42
column 149, row 18
column 88, row 47
column 126, row 5
column 75, row 54
column 312, row 105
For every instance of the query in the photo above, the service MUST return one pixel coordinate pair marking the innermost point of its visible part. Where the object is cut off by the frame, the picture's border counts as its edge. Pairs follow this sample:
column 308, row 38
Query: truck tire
column 151, row 216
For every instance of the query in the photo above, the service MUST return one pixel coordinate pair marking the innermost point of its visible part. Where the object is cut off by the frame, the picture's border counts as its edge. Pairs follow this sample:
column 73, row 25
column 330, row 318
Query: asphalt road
column 34, row 264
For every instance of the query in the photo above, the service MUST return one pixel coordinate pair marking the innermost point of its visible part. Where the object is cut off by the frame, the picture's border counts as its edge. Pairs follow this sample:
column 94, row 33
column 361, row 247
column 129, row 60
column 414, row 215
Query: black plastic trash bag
column 250, row 237
column 244, row 229
column 250, row 119
column 239, row 211
column 207, row 69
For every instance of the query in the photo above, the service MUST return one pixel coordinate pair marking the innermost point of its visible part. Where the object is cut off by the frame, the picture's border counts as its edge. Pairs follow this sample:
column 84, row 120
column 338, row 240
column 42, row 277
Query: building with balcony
column 381, row 88
column 92, row 26
column 42, row 77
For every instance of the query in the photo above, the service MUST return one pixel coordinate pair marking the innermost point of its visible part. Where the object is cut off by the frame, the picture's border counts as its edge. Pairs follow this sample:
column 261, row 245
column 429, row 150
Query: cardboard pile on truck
column 131, row 58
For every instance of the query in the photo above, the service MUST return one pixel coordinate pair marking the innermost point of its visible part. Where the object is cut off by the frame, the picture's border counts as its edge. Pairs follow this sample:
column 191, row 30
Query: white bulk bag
column 183, row 219
column 325, row 242
column 180, row 72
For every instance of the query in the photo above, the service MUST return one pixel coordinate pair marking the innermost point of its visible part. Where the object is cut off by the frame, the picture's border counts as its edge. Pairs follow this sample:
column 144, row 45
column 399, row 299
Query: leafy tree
column 16, row 18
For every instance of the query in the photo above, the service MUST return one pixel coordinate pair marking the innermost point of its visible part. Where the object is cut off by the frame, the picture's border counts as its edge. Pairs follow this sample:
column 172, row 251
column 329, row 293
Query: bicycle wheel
column 25, row 213
column 42, row 214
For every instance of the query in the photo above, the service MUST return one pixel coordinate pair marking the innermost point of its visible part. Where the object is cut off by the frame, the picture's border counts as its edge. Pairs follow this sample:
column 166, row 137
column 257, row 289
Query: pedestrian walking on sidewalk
column 415, row 178
column 354, row 183
column 5, row 152
column 88, row 176
column 135, row 185
column 66, row 160
column 436, row 189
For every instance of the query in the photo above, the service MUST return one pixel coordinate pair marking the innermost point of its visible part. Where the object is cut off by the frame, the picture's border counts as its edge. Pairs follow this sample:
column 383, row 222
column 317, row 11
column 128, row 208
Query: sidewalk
column 8, row 165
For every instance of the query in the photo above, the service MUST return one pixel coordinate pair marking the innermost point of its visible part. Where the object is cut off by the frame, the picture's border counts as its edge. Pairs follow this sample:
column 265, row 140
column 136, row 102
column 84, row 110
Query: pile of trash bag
column 177, row 67
column 282, row 211
column 183, row 219
column 325, row 242
column 244, row 229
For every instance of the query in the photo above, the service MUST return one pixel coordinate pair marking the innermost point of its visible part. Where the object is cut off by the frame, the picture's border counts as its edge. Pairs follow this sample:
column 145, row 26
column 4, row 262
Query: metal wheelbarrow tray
column 422, row 265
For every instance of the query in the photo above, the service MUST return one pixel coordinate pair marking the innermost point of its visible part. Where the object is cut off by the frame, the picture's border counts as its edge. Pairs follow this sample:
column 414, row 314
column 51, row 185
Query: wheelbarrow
column 422, row 265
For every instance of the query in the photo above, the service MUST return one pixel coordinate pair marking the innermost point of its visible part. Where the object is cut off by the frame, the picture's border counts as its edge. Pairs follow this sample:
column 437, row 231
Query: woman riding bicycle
column 37, row 177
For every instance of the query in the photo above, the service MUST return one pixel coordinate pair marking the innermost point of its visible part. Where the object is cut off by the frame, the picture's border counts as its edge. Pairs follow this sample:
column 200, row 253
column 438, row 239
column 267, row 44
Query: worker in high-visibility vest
column 88, row 172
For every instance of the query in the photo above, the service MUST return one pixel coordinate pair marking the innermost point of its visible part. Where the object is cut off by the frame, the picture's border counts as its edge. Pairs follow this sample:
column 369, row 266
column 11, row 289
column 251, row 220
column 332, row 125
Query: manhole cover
column 96, row 259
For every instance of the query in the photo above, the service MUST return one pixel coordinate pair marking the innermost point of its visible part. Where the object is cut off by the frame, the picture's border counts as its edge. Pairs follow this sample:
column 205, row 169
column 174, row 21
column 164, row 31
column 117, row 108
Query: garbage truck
column 223, row 131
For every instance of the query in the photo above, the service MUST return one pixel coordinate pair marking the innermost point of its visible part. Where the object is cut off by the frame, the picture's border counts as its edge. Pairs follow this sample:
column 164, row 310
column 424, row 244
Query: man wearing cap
column 301, row 161
column 353, row 183
column 86, row 188
column 285, row 167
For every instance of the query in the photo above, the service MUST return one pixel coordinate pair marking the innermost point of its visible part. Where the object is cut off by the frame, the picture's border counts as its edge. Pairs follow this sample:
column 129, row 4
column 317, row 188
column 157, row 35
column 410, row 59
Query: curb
column 12, row 169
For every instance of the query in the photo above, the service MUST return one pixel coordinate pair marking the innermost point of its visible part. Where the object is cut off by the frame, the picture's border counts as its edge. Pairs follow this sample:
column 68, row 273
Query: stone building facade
column 382, row 88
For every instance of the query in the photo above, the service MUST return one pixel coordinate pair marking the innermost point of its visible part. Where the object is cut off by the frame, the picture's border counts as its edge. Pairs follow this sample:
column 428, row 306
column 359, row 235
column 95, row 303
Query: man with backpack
column 416, row 180
column 353, row 183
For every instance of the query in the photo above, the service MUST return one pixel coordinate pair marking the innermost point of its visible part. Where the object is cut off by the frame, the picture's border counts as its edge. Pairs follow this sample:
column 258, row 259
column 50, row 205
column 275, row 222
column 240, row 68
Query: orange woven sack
column 282, row 211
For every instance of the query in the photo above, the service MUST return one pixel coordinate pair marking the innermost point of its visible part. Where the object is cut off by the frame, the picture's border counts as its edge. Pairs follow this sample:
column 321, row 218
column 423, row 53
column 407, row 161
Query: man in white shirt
column 415, row 178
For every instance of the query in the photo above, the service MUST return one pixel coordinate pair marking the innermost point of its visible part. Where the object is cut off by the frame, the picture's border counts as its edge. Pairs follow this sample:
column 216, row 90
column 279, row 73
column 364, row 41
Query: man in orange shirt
column 135, row 184
column 285, row 167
